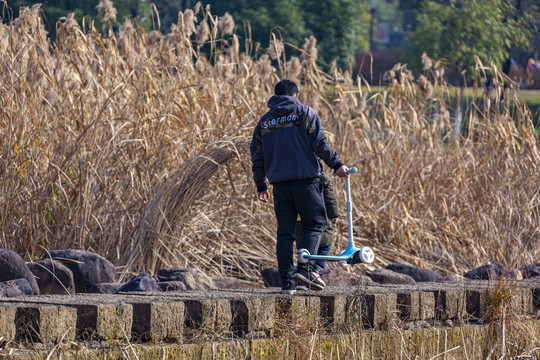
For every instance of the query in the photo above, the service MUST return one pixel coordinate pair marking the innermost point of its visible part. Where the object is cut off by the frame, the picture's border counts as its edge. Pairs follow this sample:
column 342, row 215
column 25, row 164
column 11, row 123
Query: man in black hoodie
column 286, row 145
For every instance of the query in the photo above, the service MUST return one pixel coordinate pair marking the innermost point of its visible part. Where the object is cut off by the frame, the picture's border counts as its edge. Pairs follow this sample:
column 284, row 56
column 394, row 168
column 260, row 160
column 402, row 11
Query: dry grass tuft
column 136, row 147
column 106, row 10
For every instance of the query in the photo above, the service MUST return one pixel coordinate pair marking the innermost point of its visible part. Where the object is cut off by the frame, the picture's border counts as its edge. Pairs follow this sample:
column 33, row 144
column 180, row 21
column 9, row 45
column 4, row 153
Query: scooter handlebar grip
column 350, row 171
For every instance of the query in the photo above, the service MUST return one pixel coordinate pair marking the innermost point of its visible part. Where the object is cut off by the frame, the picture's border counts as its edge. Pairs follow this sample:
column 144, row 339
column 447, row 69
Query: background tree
column 55, row 9
column 168, row 11
column 263, row 16
column 457, row 30
column 340, row 26
column 521, row 55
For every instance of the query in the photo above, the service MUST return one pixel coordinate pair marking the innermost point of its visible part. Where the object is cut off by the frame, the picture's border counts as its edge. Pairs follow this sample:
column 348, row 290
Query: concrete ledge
column 257, row 313
column 459, row 342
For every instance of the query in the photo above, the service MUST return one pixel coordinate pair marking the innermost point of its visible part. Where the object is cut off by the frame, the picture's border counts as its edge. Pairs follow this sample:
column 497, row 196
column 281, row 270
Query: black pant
column 304, row 197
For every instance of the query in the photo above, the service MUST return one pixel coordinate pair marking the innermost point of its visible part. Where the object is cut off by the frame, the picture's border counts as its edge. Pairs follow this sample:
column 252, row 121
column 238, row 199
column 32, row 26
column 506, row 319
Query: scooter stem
column 349, row 207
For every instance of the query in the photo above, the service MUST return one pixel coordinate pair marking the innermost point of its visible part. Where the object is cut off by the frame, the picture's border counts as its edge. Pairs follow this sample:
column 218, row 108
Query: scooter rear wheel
column 301, row 256
column 343, row 263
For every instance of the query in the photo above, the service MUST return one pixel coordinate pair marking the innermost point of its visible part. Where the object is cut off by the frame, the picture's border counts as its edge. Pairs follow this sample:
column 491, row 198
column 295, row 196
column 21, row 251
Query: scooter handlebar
column 352, row 170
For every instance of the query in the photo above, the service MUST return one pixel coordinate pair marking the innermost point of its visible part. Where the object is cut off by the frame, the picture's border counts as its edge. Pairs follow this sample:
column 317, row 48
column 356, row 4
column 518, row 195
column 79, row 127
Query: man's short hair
column 286, row 87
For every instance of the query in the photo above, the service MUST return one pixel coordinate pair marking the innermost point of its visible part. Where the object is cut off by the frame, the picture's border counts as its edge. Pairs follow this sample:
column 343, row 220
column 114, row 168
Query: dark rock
column 336, row 276
column 417, row 273
column 15, row 288
column 514, row 274
column 271, row 277
column 105, row 288
column 237, row 267
column 530, row 271
column 172, row 286
column 486, row 272
column 194, row 279
column 52, row 277
column 142, row 282
column 12, row 267
column 385, row 276
column 88, row 268
column 174, row 274
column 452, row 278
column 227, row 282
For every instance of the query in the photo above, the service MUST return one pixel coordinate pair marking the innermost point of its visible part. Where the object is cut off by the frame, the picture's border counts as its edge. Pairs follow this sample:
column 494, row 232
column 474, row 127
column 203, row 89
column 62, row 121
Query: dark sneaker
column 321, row 281
column 289, row 288
column 310, row 279
column 300, row 287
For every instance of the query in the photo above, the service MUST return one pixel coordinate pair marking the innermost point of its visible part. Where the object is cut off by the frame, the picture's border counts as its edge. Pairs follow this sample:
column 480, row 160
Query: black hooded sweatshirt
column 286, row 143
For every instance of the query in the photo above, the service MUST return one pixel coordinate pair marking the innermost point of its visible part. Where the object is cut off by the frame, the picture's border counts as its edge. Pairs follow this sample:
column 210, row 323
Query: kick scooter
column 352, row 254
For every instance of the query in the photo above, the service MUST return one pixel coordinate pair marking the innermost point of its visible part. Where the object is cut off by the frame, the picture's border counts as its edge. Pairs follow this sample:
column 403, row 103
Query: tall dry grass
column 135, row 145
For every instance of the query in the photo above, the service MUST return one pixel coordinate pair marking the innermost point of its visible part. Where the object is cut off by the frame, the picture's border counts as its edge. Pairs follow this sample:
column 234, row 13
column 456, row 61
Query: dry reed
column 134, row 146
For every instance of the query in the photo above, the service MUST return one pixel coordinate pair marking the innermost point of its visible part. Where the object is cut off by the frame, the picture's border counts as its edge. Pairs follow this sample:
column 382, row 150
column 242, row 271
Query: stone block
column 426, row 310
column 521, row 301
column 45, row 323
column 378, row 309
column 536, row 298
column 417, row 305
column 7, row 322
column 408, row 305
column 354, row 310
column 528, row 301
column 478, row 305
column 253, row 316
column 158, row 320
column 210, row 315
column 300, row 312
column 333, row 310
column 449, row 304
column 104, row 321
column 275, row 348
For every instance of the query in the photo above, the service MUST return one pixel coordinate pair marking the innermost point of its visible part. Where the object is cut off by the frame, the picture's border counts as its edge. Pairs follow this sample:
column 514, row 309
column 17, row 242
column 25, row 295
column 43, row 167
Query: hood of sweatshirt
column 282, row 104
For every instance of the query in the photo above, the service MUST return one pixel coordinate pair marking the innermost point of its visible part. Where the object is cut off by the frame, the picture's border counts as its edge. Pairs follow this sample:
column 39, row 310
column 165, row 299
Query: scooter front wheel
column 366, row 255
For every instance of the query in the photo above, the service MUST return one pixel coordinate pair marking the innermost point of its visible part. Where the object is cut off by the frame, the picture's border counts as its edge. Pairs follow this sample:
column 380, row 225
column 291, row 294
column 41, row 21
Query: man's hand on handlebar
column 342, row 171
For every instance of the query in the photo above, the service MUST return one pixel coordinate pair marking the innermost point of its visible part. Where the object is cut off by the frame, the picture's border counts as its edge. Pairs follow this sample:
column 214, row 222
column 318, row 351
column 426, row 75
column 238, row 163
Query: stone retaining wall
column 194, row 317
